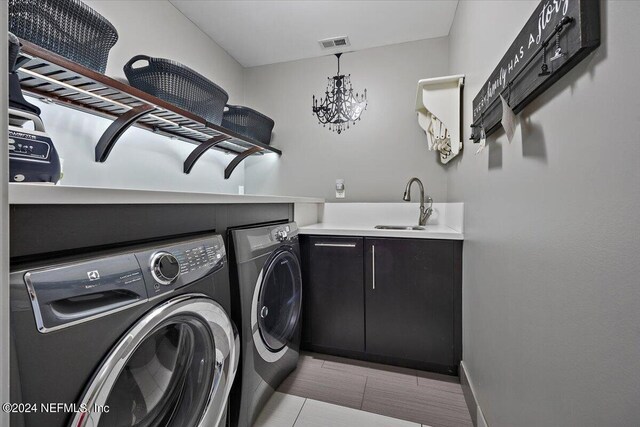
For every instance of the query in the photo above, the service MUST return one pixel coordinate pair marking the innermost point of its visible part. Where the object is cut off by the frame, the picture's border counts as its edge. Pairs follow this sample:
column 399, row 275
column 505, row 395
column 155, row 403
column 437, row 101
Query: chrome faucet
column 425, row 213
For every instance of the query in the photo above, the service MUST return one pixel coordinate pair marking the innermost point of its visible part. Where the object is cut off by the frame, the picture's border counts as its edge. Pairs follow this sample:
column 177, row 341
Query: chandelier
column 339, row 105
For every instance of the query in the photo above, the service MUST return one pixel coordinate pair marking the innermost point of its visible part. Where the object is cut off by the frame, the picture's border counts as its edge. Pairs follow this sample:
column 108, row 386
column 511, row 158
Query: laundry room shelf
column 55, row 79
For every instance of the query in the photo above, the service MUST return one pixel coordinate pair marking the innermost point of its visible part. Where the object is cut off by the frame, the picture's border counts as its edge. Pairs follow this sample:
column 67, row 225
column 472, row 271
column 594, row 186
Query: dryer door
column 174, row 367
column 277, row 304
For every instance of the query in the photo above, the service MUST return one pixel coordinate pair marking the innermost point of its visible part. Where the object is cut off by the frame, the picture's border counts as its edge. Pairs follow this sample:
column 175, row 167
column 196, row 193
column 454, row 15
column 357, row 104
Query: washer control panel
column 199, row 257
column 66, row 294
column 174, row 266
column 165, row 268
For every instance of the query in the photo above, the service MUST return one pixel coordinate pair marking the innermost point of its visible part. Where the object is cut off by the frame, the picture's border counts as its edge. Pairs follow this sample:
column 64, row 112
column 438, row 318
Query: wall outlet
column 340, row 189
column 240, row 189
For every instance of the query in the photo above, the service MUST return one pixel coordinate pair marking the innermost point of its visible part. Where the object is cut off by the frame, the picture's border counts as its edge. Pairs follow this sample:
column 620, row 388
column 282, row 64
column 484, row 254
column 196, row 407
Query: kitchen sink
column 399, row 227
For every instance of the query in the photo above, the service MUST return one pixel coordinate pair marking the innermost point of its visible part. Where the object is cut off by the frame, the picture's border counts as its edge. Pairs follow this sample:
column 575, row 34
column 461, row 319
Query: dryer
column 267, row 299
column 137, row 336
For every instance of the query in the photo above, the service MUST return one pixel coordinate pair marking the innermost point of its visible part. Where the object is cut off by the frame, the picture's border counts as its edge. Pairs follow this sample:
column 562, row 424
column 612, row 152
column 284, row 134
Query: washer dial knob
column 165, row 268
column 281, row 235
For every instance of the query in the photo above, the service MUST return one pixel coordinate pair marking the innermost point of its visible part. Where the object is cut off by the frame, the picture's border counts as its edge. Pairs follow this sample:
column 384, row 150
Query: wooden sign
column 572, row 26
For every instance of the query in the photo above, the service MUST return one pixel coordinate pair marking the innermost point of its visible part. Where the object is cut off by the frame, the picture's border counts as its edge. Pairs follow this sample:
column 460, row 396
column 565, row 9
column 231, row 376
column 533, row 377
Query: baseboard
column 470, row 398
column 406, row 363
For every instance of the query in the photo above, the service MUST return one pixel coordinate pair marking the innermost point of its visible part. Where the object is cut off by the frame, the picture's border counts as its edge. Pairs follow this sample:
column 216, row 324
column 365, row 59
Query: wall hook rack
column 46, row 75
column 577, row 26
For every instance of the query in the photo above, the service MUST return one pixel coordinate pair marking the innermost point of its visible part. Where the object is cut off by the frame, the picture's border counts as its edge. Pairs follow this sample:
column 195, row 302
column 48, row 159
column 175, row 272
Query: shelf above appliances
column 54, row 79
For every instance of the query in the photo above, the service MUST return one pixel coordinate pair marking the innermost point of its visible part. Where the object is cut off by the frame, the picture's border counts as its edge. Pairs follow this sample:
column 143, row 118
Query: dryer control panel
column 283, row 233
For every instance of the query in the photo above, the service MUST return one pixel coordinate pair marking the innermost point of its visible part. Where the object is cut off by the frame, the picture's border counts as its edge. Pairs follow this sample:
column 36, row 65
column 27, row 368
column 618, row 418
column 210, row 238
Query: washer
column 267, row 296
column 140, row 336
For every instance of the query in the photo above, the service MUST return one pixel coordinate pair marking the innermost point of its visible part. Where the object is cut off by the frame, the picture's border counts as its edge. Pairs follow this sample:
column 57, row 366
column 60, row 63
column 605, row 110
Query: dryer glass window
column 167, row 380
column 280, row 300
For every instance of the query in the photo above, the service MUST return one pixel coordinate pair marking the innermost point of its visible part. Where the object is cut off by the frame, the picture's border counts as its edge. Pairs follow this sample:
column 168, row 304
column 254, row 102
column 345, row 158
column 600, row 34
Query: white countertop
column 360, row 219
column 38, row 194
column 437, row 231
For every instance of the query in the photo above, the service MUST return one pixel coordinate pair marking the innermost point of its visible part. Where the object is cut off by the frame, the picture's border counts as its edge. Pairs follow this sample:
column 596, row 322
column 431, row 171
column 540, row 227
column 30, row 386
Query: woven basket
column 66, row 27
column 178, row 85
column 248, row 122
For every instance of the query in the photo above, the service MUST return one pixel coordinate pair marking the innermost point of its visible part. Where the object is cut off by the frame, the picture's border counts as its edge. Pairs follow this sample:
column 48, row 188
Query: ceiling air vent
column 334, row 42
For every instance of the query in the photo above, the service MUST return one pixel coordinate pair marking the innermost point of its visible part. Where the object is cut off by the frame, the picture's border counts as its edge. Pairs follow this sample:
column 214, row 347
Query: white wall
column 141, row 159
column 551, row 299
column 377, row 156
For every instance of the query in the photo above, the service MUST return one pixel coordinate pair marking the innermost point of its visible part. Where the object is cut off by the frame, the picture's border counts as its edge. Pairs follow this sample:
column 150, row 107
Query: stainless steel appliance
column 137, row 336
column 267, row 299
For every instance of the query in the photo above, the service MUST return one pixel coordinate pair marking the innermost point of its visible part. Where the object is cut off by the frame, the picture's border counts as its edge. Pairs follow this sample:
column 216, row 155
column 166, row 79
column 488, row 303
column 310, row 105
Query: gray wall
column 378, row 155
column 551, row 274
column 141, row 159
column 4, row 227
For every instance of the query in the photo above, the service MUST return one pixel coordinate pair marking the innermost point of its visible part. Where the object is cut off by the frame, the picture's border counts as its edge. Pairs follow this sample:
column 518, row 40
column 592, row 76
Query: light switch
column 340, row 190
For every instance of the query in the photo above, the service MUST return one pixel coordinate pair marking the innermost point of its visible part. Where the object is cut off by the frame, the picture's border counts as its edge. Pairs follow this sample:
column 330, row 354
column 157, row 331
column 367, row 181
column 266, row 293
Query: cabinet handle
column 336, row 245
column 373, row 265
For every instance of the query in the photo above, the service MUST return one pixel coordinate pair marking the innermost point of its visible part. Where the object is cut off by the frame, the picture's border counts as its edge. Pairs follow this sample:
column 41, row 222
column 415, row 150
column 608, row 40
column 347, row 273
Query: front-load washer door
column 174, row 367
column 276, row 304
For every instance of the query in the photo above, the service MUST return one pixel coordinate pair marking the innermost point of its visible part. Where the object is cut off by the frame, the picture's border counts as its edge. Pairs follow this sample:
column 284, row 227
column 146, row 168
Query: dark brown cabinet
column 385, row 299
column 409, row 299
column 333, row 293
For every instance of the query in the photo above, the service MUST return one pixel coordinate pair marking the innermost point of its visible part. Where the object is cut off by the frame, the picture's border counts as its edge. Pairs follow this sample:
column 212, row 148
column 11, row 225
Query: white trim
column 481, row 420
column 4, row 223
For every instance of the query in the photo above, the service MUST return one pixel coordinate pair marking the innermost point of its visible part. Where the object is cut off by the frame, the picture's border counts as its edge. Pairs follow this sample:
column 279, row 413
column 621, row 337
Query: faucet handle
column 426, row 212
column 430, row 201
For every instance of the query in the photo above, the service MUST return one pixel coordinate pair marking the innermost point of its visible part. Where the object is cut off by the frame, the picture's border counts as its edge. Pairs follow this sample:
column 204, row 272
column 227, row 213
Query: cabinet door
column 410, row 299
column 334, row 292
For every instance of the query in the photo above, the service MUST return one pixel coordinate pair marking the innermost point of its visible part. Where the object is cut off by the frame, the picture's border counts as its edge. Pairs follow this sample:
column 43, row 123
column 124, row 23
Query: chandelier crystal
column 340, row 106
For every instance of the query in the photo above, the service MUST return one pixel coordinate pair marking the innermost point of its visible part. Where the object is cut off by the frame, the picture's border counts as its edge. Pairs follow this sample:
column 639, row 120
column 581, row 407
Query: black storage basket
column 69, row 28
column 178, row 85
column 248, row 122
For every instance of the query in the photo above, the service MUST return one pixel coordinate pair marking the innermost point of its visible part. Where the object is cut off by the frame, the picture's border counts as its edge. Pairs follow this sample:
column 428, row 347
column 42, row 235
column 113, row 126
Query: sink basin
column 399, row 227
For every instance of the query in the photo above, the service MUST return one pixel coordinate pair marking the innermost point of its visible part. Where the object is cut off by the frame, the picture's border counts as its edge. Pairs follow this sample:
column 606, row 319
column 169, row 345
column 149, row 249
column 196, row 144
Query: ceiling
column 265, row 32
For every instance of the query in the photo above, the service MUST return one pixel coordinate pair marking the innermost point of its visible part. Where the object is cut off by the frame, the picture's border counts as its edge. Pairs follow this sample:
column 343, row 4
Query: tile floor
column 287, row 410
column 324, row 389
